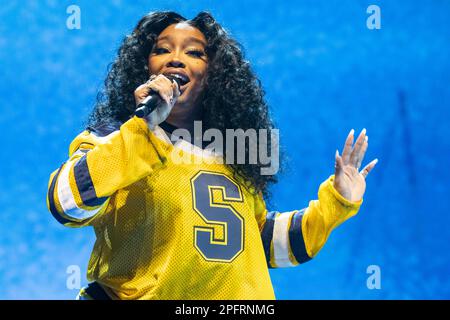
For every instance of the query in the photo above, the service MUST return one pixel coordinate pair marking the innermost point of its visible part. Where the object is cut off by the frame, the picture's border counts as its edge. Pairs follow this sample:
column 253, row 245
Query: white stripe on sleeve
column 67, row 200
column 281, row 239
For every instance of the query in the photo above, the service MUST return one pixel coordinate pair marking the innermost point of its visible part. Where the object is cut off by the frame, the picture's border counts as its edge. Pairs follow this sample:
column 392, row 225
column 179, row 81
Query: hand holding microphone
column 156, row 98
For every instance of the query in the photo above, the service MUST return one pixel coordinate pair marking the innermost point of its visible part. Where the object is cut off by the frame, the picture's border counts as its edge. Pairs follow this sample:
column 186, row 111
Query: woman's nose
column 175, row 63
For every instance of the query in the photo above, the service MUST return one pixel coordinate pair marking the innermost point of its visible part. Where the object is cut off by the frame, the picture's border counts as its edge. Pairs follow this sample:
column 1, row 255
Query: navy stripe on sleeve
column 296, row 238
column 103, row 129
column 51, row 199
column 85, row 185
column 267, row 234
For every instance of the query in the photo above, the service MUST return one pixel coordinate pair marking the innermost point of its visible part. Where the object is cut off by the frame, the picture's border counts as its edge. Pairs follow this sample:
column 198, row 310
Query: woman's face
column 180, row 49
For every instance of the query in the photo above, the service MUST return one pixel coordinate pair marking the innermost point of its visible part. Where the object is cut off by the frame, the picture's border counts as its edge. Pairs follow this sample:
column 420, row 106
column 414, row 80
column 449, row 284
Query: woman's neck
column 184, row 120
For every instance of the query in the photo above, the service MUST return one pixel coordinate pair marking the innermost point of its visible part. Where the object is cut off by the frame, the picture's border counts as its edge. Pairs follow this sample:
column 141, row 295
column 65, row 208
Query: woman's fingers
column 339, row 163
column 348, row 147
column 141, row 93
column 362, row 152
column 368, row 168
column 354, row 156
column 164, row 89
column 357, row 148
column 169, row 92
column 176, row 89
column 175, row 92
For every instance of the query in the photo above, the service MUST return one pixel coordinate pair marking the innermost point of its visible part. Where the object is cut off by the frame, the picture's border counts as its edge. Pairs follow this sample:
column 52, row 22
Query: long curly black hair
column 233, row 96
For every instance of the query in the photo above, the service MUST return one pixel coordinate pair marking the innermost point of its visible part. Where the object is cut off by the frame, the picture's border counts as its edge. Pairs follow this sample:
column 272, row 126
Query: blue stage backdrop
column 324, row 72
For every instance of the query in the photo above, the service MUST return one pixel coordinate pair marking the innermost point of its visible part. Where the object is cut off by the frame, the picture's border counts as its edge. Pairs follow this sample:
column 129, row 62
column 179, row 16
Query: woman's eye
column 196, row 53
column 160, row 50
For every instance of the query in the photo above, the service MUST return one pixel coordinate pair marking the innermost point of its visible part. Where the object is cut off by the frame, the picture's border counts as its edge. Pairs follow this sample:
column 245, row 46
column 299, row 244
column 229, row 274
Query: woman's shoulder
column 104, row 128
column 93, row 134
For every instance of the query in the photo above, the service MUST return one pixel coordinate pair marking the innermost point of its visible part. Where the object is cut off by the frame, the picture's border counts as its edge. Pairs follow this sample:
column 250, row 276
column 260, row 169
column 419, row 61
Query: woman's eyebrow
column 192, row 39
column 188, row 39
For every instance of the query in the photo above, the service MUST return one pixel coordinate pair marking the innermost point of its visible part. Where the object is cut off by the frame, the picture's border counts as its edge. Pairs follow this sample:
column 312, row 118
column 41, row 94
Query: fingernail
column 337, row 153
column 375, row 161
column 352, row 132
column 363, row 130
column 367, row 138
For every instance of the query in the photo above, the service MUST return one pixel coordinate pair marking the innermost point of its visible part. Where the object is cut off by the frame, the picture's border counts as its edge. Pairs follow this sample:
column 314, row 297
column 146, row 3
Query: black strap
column 96, row 292
column 167, row 127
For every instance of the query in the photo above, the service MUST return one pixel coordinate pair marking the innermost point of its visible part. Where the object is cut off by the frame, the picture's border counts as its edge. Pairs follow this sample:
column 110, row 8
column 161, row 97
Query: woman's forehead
column 181, row 30
column 184, row 25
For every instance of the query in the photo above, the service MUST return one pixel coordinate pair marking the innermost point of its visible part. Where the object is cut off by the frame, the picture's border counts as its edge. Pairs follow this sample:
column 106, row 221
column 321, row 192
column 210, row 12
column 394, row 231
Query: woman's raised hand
column 169, row 92
column 349, row 181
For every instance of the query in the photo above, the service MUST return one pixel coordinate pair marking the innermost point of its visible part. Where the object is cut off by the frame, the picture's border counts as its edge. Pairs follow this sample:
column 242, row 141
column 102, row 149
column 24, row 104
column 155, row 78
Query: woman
column 190, row 230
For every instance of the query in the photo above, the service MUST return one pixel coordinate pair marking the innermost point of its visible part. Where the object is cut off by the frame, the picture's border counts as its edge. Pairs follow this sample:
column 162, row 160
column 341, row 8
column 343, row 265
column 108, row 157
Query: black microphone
column 152, row 100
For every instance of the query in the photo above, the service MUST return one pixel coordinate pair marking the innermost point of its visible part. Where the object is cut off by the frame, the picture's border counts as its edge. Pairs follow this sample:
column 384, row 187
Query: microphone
column 152, row 100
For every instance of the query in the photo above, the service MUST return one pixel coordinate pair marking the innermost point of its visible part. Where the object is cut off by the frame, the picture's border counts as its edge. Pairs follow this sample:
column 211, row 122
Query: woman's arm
column 295, row 237
column 100, row 164
column 104, row 160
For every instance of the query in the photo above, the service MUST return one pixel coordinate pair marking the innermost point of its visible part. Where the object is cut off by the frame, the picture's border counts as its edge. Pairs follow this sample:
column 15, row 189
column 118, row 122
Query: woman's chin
column 184, row 98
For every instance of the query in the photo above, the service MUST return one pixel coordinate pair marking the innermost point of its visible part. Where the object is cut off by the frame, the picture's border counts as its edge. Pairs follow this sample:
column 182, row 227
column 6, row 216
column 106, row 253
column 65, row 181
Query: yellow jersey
column 171, row 221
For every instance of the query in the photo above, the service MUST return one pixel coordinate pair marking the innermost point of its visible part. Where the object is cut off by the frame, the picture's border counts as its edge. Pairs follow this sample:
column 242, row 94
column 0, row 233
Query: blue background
column 324, row 73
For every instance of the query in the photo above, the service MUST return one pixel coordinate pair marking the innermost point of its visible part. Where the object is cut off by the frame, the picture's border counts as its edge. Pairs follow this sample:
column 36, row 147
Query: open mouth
column 181, row 79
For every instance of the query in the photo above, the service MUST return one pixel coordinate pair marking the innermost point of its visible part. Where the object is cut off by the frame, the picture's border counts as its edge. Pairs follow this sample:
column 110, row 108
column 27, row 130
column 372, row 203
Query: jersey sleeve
column 295, row 237
column 99, row 164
